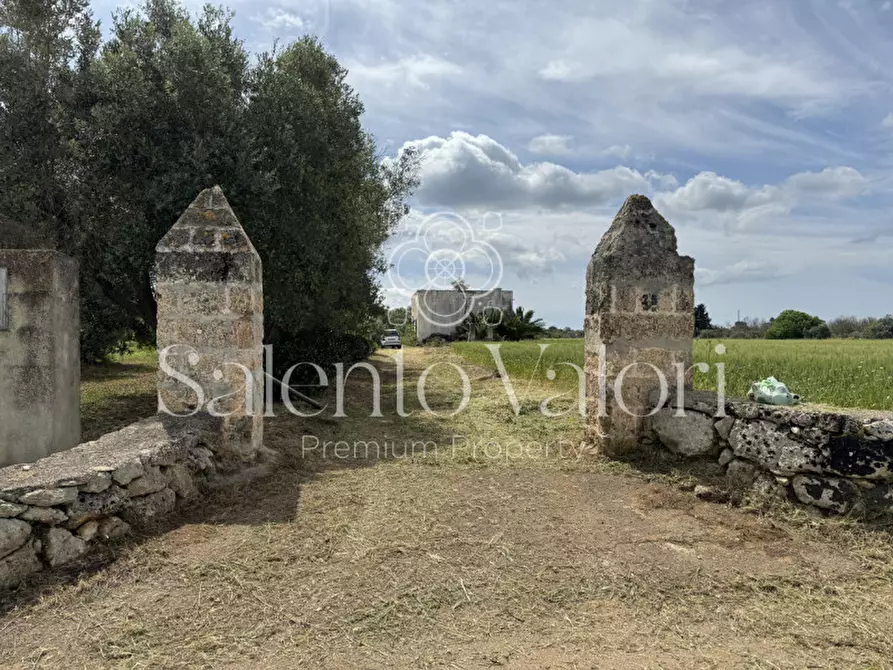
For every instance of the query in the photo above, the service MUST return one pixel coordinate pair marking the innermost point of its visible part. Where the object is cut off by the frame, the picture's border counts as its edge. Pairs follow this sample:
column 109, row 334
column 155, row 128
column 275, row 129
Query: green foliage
column 819, row 332
column 520, row 325
column 478, row 326
column 792, row 325
column 868, row 328
column 702, row 319
column 880, row 329
column 566, row 332
column 102, row 147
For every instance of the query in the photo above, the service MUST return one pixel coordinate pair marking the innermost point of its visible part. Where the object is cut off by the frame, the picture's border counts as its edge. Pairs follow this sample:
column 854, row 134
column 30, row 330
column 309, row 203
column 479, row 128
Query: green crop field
column 843, row 373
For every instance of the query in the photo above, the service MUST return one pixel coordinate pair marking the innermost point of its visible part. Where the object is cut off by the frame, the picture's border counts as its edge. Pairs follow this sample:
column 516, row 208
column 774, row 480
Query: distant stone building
column 441, row 312
column 639, row 321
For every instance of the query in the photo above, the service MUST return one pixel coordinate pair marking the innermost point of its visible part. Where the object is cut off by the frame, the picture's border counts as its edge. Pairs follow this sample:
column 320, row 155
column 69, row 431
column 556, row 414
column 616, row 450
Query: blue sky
column 761, row 129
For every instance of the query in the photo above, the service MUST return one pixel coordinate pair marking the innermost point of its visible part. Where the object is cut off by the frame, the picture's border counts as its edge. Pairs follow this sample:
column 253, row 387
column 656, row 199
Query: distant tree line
column 103, row 144
column 566, row 332
column 792, row 324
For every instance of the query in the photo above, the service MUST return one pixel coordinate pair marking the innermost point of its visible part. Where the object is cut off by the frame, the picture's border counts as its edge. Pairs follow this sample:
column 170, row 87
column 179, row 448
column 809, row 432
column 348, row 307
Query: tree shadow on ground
column 108, row 371
column 658, row 464
column 115, row 413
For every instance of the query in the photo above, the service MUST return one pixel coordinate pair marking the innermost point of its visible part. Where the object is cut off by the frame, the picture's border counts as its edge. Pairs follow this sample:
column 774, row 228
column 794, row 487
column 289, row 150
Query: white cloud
column 276, row 19
column 559, row 70
column 661, row 181
column 831, row 184
column 740, row 272
column 888, row 121
column 464, row 170
column 622, row 151
column 708, row 191
column 555, row 145
column 420, row 71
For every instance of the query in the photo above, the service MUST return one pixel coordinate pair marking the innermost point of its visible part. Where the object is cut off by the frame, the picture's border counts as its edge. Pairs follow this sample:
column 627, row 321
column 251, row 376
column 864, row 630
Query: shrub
column 520, row 325
column 881, row 329
column 820, row 332
column 792, row 325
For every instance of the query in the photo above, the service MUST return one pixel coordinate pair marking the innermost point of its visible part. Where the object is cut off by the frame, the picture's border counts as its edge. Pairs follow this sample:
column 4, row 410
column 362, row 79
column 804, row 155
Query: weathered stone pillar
column 639, row 323
column 40, row 370
column 210, row 323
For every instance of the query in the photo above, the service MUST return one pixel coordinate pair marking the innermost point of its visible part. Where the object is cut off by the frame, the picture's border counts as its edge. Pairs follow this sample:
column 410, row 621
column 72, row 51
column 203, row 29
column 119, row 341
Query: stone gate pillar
column 639, row 323
column 210, row 324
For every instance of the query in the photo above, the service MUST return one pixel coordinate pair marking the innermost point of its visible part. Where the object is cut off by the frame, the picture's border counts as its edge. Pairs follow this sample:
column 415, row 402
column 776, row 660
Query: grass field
column 843, row 373
column 474, row 555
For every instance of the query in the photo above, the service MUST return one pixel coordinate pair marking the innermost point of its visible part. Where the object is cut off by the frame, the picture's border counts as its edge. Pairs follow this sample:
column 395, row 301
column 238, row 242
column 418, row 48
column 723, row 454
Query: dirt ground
column 473, row 554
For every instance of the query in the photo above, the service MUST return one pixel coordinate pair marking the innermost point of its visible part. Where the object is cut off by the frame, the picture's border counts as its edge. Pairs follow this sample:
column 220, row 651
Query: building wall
column 39, row 356
column 441, row 312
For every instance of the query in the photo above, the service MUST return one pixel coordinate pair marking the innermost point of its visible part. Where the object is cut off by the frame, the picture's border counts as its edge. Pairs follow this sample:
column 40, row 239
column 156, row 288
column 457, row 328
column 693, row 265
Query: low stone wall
column 53, row 510
column 836, row 462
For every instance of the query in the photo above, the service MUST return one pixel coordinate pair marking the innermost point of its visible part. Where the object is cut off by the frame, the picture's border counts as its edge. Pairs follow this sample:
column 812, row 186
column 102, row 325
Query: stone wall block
column 61, row 547
column 150, row 507
column 689, row 435
column 13, row 534
column 19, row 565
column 830, row 493
column 46, row 515
column 49, row 497
column 152, row 481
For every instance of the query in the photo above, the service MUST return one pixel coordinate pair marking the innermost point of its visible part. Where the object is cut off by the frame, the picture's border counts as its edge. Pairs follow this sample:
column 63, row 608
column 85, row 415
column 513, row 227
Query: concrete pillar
column 210, row 321
column 639, row 323
column 40, row 371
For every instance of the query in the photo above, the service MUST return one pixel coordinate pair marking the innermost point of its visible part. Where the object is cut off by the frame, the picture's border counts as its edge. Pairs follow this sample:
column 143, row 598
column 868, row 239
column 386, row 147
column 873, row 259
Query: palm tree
column 521, row 325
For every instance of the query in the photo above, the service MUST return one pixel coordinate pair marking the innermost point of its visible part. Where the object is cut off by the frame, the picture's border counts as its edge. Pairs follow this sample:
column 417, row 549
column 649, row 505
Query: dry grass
column 465, row 558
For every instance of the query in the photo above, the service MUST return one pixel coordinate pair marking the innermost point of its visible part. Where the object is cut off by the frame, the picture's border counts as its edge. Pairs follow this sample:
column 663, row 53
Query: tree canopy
column 702, row 319
column 794, row 325
column 103, row 145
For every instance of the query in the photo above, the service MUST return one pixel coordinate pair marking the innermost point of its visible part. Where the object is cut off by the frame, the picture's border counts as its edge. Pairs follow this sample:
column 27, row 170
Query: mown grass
column 842, row 373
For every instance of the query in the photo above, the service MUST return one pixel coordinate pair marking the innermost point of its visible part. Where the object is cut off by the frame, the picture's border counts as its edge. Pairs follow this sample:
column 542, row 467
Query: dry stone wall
column 833, row 461
column 56, row 509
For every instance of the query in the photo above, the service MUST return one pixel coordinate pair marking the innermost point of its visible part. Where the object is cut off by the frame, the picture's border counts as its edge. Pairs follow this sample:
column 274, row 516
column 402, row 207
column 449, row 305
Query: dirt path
column 464, row 558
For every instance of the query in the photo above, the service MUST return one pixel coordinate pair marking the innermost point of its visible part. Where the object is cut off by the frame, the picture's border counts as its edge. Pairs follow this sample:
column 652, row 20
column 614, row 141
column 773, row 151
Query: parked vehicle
column 391, row 338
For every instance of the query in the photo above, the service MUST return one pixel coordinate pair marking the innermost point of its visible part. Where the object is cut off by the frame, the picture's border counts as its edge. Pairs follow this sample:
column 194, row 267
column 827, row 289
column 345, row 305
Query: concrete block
column 39, row 355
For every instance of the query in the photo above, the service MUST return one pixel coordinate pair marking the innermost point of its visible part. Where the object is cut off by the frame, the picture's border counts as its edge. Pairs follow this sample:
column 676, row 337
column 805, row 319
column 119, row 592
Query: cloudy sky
column 761, row 129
